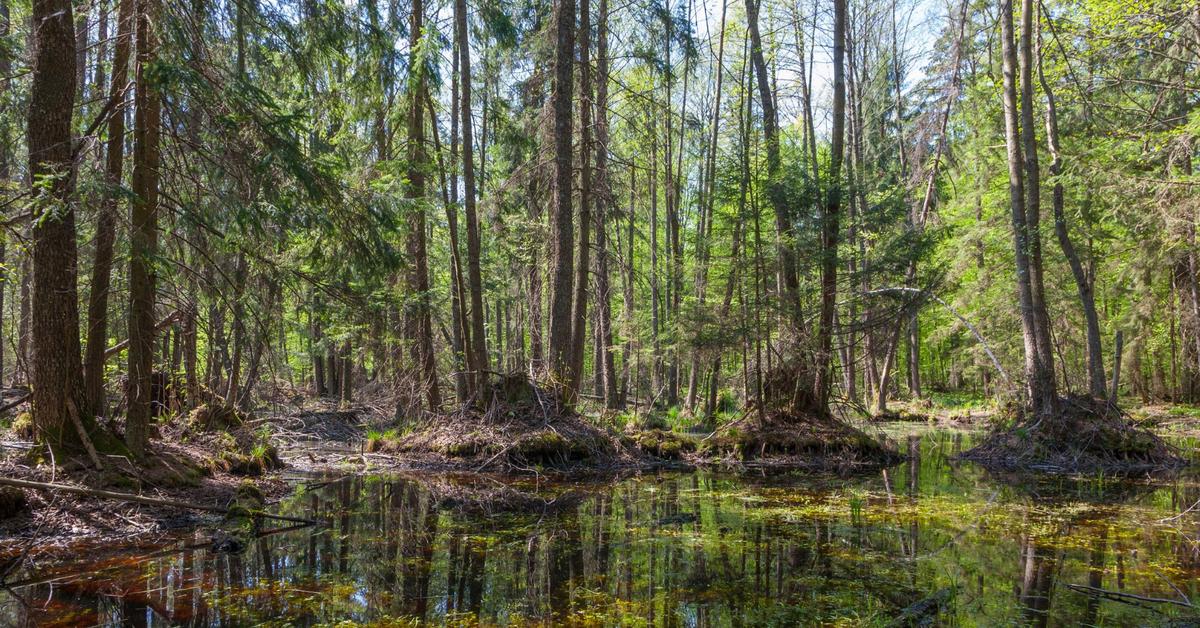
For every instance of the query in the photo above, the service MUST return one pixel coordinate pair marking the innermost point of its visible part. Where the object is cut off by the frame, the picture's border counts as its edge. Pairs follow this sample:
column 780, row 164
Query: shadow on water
column 695, row 549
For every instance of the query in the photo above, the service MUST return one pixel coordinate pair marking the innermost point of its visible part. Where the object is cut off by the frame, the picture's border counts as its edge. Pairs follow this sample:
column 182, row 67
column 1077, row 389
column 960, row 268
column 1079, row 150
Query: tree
column 562, row 227
column 106, row 217
column 143, row 235
column 420, row 322
column 478, row 340
column 57, row 371
column 1023, row 201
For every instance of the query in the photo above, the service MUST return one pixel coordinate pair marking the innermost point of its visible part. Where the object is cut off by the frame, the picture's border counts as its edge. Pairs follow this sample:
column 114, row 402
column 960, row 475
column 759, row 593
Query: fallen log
column 140, row 499
column 16, row 402
column 924, row 611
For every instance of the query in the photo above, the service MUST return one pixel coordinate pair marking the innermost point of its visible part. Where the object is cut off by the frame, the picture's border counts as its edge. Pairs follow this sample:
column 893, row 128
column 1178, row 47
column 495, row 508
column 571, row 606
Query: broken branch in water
column 1129, row 598
column 140, row 499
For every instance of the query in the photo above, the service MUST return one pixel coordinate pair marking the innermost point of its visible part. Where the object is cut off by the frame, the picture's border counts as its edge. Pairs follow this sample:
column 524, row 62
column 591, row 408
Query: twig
column 1120, row 596
column 73, row 411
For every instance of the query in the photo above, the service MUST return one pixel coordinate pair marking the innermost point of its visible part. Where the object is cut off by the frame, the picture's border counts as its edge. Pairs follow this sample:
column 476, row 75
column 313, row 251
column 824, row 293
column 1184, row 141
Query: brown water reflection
column 696, row 549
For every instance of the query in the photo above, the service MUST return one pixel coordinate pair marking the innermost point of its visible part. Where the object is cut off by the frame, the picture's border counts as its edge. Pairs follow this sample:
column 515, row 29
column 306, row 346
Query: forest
column 809, row 263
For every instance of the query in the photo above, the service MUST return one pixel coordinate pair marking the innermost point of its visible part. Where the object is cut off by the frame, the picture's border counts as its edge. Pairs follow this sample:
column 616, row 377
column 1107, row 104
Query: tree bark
column 143, row 235
column 785, row 231
column 5, row 170
column 1033, row 195
column 106, row 217
column 1095, row 359
column 420, row 327
column 1039, row 377
column 831, row 214
column 57, row 369
column 562, row 228
column 478, row 339
column 603, row 200
column 579, row 298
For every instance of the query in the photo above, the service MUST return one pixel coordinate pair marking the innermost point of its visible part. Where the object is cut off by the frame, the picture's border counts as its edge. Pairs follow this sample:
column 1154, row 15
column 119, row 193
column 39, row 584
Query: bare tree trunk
column 579, row 302
column 346, row 394
column 239, row 329
column 628, row 383
column 603, row 201
column 808, row 395
column 188, row 331
column 1016, row 191
column 1048, row 401
column 1095, row 359
column 420, row 328
column 57, row 368
column 5, row 169
column 655, row 305
column 143, row 235
column 460, row 332
column 106, row 217
column 704, row 230
column 478, row 339
column 562, row 227
column 832, row 211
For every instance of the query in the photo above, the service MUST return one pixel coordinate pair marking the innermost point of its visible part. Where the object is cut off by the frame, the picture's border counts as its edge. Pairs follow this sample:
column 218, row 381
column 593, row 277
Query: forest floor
column 949, row 410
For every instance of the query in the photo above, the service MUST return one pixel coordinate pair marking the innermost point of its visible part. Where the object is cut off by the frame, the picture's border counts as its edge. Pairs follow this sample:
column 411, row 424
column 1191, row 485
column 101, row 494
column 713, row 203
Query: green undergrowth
column 249, row 454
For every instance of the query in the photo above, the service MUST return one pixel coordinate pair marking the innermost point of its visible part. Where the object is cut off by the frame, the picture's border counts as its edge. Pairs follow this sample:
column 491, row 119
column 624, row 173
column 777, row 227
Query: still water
column 677, row 549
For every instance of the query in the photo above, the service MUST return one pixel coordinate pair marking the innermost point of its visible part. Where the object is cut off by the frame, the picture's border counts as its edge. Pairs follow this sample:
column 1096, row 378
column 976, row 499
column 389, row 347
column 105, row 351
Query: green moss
column 462, row 449
column 248, row 493
column 22, row 426
column 663, row 443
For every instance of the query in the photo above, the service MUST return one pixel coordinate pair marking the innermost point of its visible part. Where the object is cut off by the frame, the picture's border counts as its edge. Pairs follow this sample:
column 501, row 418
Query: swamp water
column 671, row 549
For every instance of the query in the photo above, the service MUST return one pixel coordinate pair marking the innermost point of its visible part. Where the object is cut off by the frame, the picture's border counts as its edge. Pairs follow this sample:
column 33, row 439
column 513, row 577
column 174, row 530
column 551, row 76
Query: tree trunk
column 785, row 231
column 5, row 169
column 830, row 217
column 420, row 327
column 478, row 339
column 1033, row 195
column 1039, row 378
column 1095, row 359
column 57, row 370
column 346, row 394
column 579, row 298
column 704, row 230
column 238, row 324
column 188, row 329
column 143, row 236
column 603, row 201
column 562, row 228
column 106, row 217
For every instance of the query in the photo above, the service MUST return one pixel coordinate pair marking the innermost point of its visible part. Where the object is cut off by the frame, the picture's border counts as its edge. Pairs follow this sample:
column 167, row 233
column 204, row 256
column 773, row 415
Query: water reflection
column 669, row 550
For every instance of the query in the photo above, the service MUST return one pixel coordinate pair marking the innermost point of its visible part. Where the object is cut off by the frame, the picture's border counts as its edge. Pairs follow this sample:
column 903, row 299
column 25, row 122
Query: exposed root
column 660, row 443
column 216, row 417
column 1086, row 436
column 523, row 429
column 808, row 441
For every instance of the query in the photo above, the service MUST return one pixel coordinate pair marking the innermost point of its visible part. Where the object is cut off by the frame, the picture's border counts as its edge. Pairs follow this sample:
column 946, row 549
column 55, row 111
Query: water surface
column 673, row 549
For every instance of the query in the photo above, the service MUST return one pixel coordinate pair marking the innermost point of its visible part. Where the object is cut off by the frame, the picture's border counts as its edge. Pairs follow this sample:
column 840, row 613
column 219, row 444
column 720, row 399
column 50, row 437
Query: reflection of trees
column 1038, row 570
column 673, row 550
column 1096, row 561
